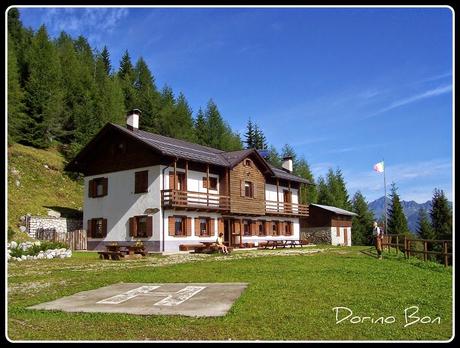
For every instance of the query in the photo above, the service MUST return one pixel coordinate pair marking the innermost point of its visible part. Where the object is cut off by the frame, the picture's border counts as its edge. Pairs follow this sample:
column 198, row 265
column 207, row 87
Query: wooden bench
column 187, row 247
column 114, row 255
column 210, row 249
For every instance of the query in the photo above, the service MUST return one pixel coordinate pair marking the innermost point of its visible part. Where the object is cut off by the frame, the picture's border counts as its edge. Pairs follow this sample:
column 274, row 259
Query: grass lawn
column 289, row 297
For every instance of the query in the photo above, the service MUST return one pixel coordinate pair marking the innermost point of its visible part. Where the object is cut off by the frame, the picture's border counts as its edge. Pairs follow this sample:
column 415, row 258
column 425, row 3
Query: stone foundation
column 316, row 235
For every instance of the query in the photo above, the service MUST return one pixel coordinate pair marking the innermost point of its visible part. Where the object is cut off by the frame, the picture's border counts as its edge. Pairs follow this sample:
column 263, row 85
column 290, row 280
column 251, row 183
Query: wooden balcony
column 285, row 209
column 191, row 200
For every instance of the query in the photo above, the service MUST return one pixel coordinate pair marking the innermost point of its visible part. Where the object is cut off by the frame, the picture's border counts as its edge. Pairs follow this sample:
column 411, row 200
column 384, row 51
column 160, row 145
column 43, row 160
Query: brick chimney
column 132, row 119
column 287, row 163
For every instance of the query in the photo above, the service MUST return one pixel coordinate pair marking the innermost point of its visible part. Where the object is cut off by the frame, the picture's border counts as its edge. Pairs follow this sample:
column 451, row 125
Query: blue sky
column 345, row 87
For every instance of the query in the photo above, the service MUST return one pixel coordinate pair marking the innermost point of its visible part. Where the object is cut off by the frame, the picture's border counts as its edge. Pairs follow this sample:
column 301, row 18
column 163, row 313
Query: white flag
column 379, row 167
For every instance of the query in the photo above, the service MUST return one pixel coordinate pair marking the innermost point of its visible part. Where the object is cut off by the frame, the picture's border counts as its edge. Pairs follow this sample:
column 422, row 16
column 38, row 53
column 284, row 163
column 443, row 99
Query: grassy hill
column 37, row 183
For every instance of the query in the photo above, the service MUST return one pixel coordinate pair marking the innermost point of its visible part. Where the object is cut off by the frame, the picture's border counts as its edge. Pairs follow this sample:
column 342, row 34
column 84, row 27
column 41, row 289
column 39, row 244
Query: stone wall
column 60, row 224
column 316, row 235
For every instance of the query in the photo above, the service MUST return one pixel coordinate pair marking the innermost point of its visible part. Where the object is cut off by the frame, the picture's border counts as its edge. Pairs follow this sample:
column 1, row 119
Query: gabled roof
column 168, row 146
column 335, row 209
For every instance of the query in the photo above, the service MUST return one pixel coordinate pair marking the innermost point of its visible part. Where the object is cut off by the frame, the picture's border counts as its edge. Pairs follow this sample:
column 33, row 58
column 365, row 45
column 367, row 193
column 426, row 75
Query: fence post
column 446, row 259
column 397, row 244
column 405, row 247
column 425, row 249
column 408, row 248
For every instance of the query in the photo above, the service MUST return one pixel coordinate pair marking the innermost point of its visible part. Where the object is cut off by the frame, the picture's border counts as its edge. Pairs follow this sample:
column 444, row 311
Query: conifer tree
column 260, row 142
column 441, row 215
column 362, row 224
column 324, row 194
column 127, row 79
column 307, row 194
column 147, row 97
column 424, row 228
column 16, row 116
column 215, row 125
column 105, row 55
column 165, row 115
column 273, row 157
column 183, row 119
column 288, row 151
column 43, row 97
column 200, row 128
column 249, row 135
column 397, row 222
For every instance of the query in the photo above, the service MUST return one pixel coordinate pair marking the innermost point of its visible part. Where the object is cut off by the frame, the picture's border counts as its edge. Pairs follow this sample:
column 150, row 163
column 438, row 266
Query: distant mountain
column 410, row 209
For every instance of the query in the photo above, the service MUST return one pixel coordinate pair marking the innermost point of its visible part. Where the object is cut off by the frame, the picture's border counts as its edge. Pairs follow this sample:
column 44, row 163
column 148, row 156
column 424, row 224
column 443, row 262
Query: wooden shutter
column 104, row 227
column 205, row 182
column 197, row 226
column 91, row 188
column 188, row 226
column 220, row 225
column 267, row 225
column 133, row 226
column 105, row 184
column 253, row 184
column 149, row 226
column 242, row 188
column 252, row 228
column 144, row 181
column 171, row 181
column 237, row 225
column 172, row 226
column 281, row 228
column 211, row 229
column 89, row 229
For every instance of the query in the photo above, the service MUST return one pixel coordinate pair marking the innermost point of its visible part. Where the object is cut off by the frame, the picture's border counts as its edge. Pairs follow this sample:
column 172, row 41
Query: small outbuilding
column 326, row 224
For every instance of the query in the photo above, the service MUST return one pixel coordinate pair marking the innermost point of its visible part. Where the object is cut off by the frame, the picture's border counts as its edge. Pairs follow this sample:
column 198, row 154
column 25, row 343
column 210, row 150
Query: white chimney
column 287, row 164
column 132, row 119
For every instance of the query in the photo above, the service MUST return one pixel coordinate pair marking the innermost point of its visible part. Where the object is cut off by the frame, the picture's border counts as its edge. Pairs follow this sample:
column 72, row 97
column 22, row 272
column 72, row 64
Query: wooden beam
column 186, row 175
column 175, row 175
column 277, row 194
column 207, row 184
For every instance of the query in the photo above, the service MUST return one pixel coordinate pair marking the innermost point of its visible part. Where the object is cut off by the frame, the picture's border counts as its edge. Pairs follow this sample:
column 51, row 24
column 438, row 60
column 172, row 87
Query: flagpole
column 385, row 190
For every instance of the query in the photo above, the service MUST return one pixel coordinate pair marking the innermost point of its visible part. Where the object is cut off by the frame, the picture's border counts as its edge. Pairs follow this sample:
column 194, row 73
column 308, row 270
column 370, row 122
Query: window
column 140, row 226
column 248, row 162
column 97, row 228
column 248, row 189
column 337, row 229
column 246, row 227
column 212, row 183
column 141, row 181
column 203, row 226
column 179, row 226
column 97, row 187
column 181, row 186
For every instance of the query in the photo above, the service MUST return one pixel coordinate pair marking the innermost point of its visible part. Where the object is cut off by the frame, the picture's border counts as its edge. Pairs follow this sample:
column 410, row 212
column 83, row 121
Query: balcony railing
column 284, row 208
column 194, row 200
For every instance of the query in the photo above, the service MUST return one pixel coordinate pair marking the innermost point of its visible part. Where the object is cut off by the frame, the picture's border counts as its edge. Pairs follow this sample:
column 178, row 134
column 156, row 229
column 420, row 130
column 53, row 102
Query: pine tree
column 201, row 132
column 165, row 115
column 249, row 136
column 307, row 194
column 43, row 92
column 397, row 222
column 105, row 55
column 441, row 215
column 424, row 229
column 147, row 97
column 324, row 194
column 260, row 142
column 215, row 125
column 127, row 79
column 273, row 157
column 288, row 151
column 340, row 190
column 362, row 224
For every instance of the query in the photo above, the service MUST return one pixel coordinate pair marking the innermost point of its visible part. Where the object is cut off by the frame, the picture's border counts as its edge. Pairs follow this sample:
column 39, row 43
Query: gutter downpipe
column 162, row 210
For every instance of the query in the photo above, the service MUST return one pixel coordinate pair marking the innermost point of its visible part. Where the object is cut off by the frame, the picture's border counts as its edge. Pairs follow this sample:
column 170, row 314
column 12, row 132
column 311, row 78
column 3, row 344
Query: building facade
column 167, row 192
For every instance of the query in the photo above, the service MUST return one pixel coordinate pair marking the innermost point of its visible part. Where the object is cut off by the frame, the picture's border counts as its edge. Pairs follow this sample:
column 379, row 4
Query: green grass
column 288, row 297
column 39, row 188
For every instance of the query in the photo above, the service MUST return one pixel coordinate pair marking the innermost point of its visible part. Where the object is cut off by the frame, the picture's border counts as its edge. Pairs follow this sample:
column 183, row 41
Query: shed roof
column 335, row 209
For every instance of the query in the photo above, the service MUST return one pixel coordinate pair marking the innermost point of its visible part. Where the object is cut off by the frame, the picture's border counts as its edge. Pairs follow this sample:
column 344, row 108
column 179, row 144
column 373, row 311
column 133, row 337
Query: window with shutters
column 179, row 225
column 141, row 181
column 246, row 227
column 141, row 226
column 204, row 227
column 98, row 228
column 249, row 189
column 98, row 187
column 287, row 228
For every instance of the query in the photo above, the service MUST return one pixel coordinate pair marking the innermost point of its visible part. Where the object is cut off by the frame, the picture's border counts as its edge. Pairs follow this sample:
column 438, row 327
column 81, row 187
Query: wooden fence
column 408, row 246
column 76, row 240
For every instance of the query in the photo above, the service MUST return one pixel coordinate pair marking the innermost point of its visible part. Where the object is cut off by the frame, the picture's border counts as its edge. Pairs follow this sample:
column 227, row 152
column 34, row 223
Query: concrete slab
column 190, row 299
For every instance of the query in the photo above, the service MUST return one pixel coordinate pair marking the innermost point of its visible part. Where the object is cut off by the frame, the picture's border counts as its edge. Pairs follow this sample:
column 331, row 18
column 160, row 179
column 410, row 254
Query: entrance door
column 227, row 232
column 287, row 199
column 345, row 236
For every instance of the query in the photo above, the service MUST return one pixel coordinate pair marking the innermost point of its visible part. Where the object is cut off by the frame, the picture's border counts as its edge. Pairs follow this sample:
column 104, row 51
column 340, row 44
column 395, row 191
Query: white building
column 167, row 192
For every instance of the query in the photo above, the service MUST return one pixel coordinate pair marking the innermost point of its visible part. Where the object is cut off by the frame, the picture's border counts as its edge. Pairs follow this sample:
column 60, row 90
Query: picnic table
column 283, row 243
column 119, row 251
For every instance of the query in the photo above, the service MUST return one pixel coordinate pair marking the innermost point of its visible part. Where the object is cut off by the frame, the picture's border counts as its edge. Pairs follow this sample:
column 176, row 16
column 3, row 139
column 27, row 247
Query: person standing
column 377, row 234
